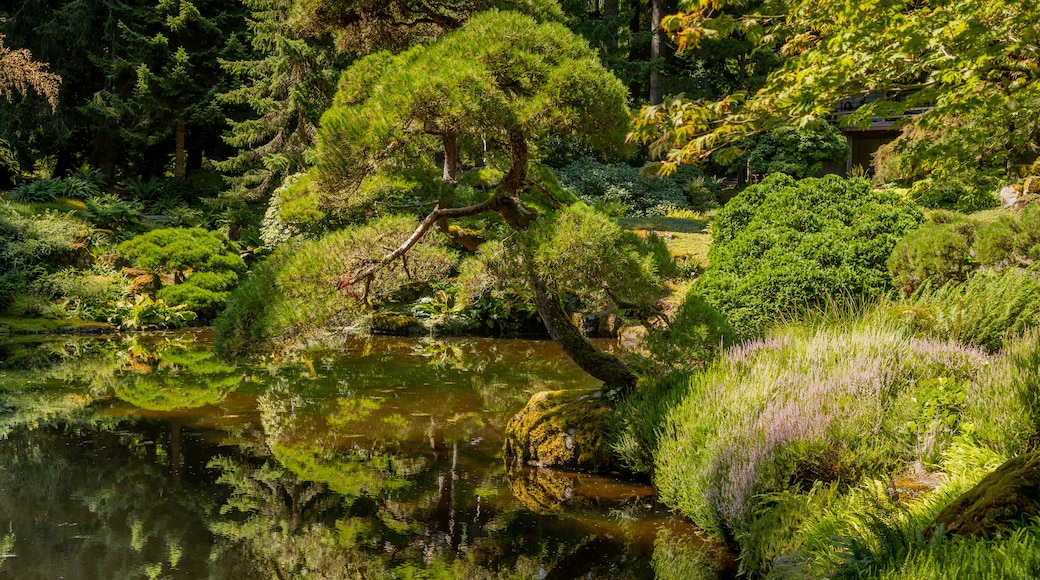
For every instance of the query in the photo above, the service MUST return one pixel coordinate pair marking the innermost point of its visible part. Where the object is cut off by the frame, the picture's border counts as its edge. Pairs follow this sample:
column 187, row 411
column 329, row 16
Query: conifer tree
column 286, row 85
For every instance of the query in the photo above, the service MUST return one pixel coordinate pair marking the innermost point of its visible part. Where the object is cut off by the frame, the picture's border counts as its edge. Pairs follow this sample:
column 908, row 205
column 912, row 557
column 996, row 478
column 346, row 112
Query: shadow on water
column 149, row 457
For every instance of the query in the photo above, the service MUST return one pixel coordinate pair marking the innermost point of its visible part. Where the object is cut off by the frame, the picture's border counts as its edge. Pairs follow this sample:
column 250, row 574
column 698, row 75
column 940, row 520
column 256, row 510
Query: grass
column 686, row 238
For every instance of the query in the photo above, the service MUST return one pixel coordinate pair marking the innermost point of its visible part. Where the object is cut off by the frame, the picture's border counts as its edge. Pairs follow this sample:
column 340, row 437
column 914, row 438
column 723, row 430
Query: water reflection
column 148, row 457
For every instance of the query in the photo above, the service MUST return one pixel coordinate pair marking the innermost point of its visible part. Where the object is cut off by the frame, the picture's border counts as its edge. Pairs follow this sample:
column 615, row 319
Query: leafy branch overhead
column 970, row 69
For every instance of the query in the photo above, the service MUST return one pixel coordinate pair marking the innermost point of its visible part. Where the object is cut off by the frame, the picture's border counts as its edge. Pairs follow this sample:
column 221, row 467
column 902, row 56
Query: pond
column 147, row 456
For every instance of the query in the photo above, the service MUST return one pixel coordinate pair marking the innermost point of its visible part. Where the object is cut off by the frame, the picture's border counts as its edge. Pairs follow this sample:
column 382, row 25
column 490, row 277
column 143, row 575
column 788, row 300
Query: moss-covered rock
column 1008, row 496
column 562, row 429
column 393, row 324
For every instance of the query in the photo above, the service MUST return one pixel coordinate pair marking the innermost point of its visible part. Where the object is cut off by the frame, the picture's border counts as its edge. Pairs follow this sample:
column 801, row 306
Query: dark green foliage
column 784, row 246
column 694, row 335
column 796, row 151
column 110, row 212
column 938, row 252
column 286, row 84
column 39, row 191
column 624, row 189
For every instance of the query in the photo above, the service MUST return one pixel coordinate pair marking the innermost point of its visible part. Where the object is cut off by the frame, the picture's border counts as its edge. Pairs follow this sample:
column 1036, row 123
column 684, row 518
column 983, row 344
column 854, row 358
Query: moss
column 393, row 324
column 563, row 429
column 541, row 490
column 1009, row 495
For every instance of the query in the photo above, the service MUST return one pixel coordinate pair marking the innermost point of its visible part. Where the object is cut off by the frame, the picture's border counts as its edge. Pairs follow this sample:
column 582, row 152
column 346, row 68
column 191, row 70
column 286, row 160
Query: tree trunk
column 451, row 156
column 610, row 12
column 656, row 50
column 605, row 367
column 178, row 160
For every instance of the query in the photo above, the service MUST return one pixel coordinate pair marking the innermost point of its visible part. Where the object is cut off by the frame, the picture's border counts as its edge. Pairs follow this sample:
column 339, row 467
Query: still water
column 147, row 456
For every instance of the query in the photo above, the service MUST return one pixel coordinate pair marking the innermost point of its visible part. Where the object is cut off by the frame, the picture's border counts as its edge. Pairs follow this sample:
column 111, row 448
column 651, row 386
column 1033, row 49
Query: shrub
column 995, row 241
column 783, row 246
column 205, row 303
column 939, row 253
column 203, row 259
column 796, row 151
column 951, row 194
column 694, row 336
column 625, row 187
column 755, row 439
column 31, row 247
column 175, row 250
column 110, row 212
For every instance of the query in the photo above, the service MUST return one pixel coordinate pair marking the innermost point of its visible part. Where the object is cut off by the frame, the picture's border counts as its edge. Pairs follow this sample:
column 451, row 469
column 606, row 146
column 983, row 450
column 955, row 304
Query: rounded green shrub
column 694, row 336
column 995, row 241
column 203, row 302
column 796, row 151
column 204, row 259
column 782, row 247
column 175, row 250
column 937, row 252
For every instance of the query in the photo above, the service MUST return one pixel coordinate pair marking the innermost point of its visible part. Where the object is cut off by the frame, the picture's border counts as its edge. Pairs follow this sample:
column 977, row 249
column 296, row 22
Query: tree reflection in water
column 148, row 457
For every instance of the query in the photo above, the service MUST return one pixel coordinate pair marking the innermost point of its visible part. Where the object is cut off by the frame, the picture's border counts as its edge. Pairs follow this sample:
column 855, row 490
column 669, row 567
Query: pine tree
column 285, row 86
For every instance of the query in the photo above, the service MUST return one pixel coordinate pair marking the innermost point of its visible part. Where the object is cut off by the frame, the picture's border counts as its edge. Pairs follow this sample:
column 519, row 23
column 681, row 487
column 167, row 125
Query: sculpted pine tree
column 487, row 91
column 19, row 74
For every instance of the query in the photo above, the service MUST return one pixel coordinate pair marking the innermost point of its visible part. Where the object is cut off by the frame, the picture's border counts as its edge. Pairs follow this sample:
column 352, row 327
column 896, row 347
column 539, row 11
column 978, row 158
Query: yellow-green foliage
column 31, row 247
column 805, row 407
column 309, row 287
column 952, row 246
column 563, row 429
column 205, row 259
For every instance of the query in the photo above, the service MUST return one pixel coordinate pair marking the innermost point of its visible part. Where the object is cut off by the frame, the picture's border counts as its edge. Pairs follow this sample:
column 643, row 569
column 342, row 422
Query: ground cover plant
column 784, row 446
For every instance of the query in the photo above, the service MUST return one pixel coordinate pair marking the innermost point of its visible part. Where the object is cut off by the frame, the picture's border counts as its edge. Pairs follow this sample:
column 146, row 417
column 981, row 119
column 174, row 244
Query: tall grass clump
column 1003, row 406
column 778, row 426
column 307, row 287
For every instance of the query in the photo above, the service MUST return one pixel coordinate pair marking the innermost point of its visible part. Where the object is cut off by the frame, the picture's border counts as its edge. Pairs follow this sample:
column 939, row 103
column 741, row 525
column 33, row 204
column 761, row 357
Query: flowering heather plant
column 803, row 407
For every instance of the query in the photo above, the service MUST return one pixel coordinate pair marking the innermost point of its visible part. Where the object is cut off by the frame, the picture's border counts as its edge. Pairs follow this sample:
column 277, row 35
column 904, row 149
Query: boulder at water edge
column 561, row 429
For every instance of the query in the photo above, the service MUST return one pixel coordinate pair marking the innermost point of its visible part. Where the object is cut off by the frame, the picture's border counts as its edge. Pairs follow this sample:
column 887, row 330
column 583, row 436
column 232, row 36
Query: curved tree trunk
column 605, row 367
column 505, row 201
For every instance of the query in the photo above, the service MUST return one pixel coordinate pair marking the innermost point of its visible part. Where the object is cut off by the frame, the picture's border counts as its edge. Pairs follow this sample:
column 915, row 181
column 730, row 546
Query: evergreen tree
column 285, row 86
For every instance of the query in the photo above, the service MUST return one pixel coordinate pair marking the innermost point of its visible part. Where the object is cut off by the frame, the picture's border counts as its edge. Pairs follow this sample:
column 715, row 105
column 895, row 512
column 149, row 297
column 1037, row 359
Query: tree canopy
column 481, row 96
column 971, row 68
column 19, row 73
